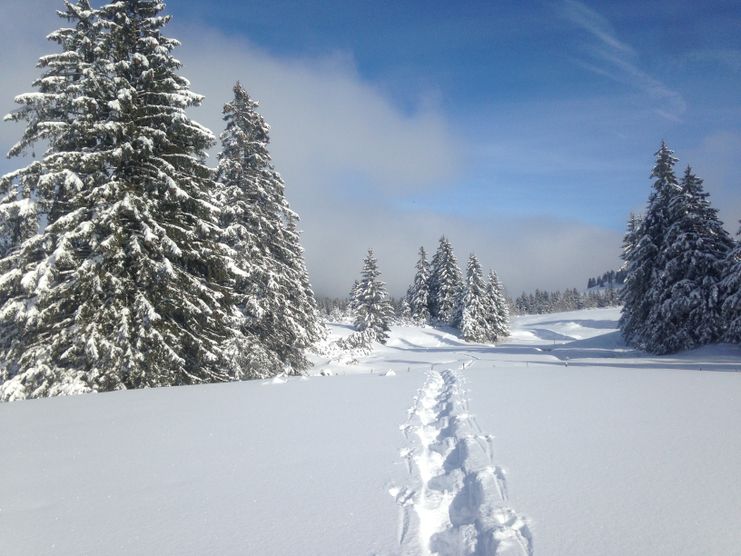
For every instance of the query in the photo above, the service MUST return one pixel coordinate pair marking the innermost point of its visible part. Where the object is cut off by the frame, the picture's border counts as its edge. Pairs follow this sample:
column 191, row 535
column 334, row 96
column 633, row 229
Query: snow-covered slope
column 560, row 441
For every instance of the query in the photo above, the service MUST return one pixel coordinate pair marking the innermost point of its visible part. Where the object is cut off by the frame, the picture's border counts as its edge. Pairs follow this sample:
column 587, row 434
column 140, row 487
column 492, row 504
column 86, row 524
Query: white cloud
column 325, row 119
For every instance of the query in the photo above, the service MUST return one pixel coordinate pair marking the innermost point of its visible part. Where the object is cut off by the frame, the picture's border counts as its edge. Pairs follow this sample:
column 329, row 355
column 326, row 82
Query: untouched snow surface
column 560, row 441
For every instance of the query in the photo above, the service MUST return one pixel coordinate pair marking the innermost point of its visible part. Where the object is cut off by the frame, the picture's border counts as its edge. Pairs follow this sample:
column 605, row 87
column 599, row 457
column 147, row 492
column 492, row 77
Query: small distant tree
column 446, row 285
column 405, row 312
column 372, row 306
column 474, row 324
column 498, row 310
column 418, row 295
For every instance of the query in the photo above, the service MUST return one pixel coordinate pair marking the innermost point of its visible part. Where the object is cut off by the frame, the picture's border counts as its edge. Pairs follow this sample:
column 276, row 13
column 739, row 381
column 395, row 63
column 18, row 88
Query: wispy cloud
column 610, row 57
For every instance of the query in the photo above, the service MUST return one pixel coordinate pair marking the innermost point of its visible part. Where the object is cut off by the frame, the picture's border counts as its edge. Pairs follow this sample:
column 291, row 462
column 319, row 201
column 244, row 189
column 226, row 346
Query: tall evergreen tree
column 418, row 295
column 273, row 285
column 497, row 310
column 644, row 262
column 687, row 302
column 373, row 309
column 731, row 309
column 27, row 195
column 474, row 318
column 446, row 285
column 126, row 284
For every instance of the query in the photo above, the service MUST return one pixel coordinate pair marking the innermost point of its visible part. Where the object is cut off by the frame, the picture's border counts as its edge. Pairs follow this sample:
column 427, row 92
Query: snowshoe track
column 456, row 500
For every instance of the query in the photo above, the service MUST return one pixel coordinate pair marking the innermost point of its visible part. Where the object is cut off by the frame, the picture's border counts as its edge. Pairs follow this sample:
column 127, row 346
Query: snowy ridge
column 457, row 497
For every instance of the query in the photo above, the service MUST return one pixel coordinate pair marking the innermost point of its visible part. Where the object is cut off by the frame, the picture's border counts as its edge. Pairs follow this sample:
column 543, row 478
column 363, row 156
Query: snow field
column 560, row 441
column 301, row 467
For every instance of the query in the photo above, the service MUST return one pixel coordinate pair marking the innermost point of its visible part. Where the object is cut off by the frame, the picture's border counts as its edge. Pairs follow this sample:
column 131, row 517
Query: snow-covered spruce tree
column 127, row 285
column 272, row 282
column 28, row 193
column 405, row 312
column 497, row 310
column 373, row 309
column 418, row 295
column 446, row 285
column 52, row 112
column 474, row 323
column 54, row 107
column 644, row 261
column 732, row 294
column 686, row 306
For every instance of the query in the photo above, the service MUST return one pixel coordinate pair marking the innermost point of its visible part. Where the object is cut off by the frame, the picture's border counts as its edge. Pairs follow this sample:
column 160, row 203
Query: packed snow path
column 457, row 497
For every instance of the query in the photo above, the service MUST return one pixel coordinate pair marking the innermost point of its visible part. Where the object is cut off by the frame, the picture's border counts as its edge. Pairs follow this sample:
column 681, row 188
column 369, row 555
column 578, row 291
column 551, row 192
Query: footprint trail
column 455, row 502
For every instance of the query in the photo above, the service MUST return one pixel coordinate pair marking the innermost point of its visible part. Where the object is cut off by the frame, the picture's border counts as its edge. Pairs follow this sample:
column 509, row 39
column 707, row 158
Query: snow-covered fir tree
column 405, row 311
column 372, row 307
column 644, row 260
column 418, row 295
column 686, row 297
column 126, row 284
column 497, row 309
column 273, row 287
column 446, row 285
column 731, row 284
column 474, row 318
column 49, row 110
column 26, row 196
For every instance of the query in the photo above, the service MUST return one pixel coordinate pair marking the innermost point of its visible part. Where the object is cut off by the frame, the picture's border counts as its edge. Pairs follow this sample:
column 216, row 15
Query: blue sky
column 524, row 130
column 564, row 102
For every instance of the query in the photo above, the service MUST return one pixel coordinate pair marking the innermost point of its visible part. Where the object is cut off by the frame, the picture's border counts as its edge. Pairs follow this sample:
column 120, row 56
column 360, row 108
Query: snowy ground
column 559, row 442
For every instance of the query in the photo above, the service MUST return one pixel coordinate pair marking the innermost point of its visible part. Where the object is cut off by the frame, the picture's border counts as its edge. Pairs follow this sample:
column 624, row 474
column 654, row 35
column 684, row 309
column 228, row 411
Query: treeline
column 683, row 270
column 125, row 261
column 610, row 279
column 439, row 294
column 542, row 301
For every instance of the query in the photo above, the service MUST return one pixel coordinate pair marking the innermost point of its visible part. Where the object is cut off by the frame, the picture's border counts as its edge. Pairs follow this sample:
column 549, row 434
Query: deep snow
column 560, row 441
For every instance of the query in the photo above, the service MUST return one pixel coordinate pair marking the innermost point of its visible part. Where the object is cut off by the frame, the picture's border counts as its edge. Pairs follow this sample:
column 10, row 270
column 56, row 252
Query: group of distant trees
column 683, row 270
column 610, row 279
column 541, row 301
column 125, row 261
column 333, row 308
column 439, row 294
